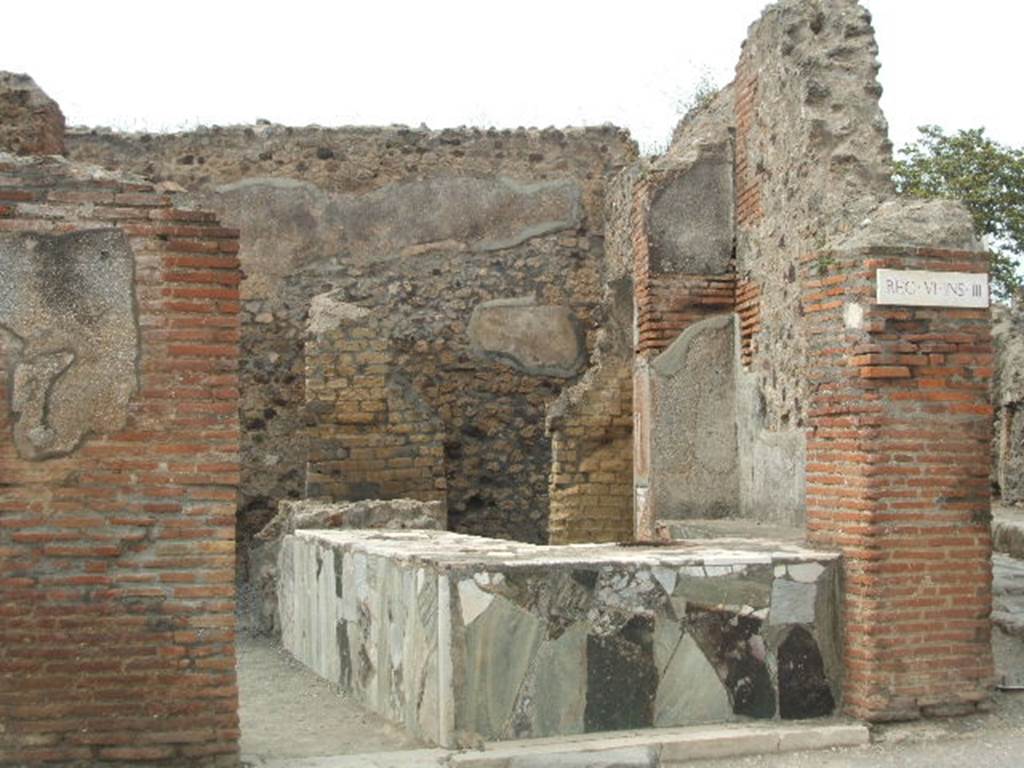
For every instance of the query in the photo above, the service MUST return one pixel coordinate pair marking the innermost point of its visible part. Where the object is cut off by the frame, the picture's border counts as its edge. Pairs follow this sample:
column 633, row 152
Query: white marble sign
column 919, row 288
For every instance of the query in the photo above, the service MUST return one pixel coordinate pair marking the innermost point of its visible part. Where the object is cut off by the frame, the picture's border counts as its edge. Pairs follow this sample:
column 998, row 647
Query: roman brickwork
column 898, row 480
column 119, row 465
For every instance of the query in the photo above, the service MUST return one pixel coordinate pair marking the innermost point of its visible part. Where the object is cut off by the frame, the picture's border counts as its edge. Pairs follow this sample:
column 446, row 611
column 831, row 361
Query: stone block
column 294, row 515
column 692, row 425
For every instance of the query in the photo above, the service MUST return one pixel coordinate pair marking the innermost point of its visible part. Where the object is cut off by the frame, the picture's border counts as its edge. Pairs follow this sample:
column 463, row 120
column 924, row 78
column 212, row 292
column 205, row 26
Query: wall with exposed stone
column 591, row 423
column 478, row 254
column 370, row 434
column 31, row 123
column 812, row 161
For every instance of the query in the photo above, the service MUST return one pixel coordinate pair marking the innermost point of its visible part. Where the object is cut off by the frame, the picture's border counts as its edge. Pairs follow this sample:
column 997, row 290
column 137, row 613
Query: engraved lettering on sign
column 920, row 288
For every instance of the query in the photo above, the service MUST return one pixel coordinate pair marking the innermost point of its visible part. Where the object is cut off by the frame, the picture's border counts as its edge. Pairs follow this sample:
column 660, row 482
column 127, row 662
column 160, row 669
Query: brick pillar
column 898, row 479
column 118, row 472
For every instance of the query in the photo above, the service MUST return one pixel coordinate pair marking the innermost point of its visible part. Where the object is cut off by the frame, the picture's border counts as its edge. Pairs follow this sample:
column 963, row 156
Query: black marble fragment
column 803, row 687
column 621, row 678
column 732, row 644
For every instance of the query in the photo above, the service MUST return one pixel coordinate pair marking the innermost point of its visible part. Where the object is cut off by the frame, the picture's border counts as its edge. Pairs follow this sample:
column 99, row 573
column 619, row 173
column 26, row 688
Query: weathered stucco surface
column 67, row 306
column 694, row 465
column 538, row 339
column 691, row 216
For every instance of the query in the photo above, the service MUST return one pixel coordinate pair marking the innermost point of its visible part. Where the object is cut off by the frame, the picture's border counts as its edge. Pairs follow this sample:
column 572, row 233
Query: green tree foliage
column 987, row 177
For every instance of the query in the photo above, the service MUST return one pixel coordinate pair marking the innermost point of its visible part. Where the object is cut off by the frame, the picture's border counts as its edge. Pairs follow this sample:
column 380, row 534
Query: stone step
column 655, row 748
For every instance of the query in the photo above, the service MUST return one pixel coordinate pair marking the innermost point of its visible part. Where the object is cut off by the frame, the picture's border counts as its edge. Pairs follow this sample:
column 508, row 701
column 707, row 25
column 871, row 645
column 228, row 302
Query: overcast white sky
column 163, row 66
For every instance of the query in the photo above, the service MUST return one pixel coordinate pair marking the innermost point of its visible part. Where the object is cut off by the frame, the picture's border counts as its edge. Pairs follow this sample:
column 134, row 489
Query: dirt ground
column 286, row 711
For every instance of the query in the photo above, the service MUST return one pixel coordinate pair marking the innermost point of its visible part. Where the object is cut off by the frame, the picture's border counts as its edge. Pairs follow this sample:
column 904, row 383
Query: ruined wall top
column 31, row 123
column 818, row 143
column 352, row 159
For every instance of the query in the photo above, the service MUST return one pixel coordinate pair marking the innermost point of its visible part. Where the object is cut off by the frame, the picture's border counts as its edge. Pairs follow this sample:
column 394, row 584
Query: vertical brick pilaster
column 898, row 479
column 117, row 559
column 748, row 184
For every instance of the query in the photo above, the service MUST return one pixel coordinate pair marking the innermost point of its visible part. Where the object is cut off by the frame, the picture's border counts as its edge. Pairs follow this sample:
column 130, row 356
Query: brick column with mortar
column 899, row 429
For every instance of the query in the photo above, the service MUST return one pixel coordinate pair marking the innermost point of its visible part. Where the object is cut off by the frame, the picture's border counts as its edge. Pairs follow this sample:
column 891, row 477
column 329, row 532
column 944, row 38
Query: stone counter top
column 453, row 550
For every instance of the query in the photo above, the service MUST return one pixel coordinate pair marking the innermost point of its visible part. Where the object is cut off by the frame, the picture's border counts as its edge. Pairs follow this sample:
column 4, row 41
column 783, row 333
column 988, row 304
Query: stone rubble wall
column 31, row 123
column 812, row 161
column 119, row 459
column 421, row 228
column 1008, row 399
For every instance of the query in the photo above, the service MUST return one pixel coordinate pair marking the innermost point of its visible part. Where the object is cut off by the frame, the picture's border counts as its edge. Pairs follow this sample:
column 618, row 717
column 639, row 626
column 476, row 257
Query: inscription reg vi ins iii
column 920, row 288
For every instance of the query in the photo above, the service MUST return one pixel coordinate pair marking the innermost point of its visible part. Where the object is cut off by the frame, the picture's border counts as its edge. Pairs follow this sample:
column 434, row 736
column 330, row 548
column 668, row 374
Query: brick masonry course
column 117, row 555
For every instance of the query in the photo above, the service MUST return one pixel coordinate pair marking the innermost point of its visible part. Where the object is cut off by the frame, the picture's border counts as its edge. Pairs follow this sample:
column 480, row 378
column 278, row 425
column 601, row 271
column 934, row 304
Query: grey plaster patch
column 284, row 223
column 539, row 339
column 693, row 426
column 67, row 304
column 792, row 602
column 288, row 224
column 460, row 208
column 692, row 214
column 328, row 313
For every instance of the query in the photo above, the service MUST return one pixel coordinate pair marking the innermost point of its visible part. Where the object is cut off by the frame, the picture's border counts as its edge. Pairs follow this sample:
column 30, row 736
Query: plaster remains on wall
column 67, row 308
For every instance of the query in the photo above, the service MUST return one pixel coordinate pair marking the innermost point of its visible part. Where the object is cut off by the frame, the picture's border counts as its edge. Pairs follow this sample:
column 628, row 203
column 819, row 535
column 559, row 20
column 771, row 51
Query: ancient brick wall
column 119, row 466
column 898, row 469
column 369, row 435
column 421, row 228
column 591, row 489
